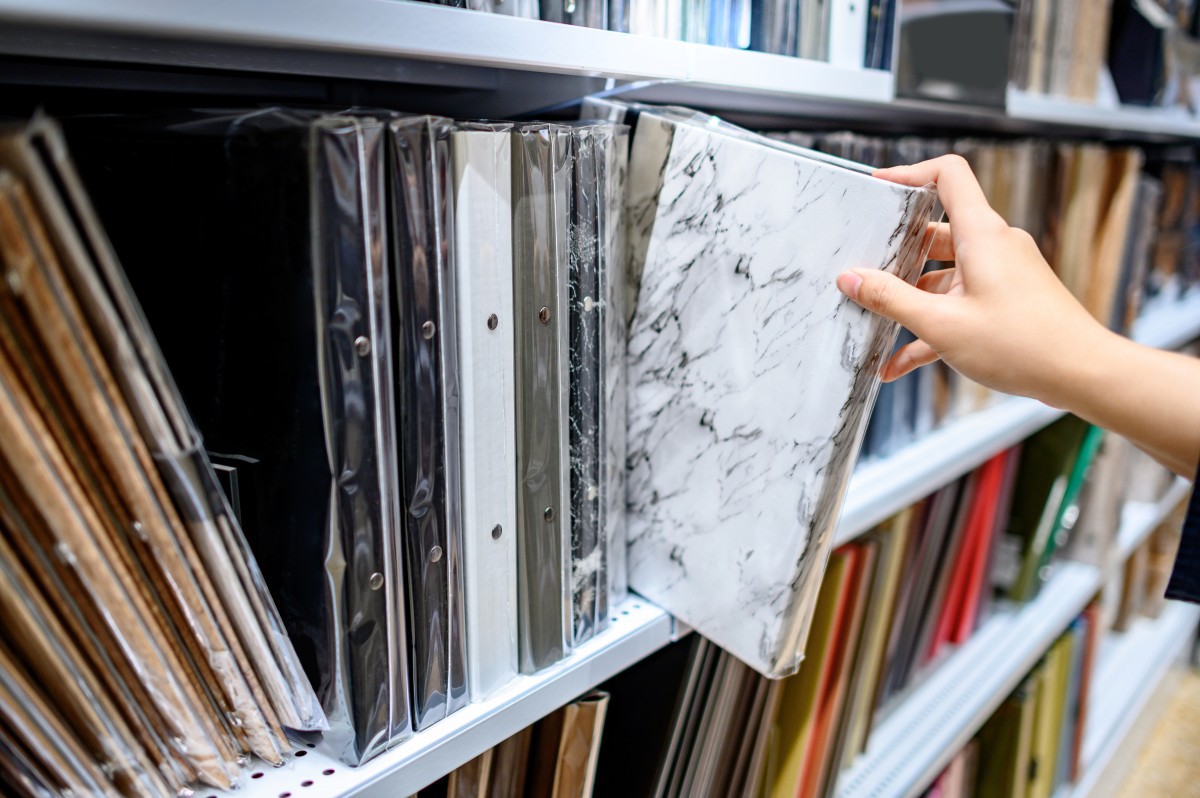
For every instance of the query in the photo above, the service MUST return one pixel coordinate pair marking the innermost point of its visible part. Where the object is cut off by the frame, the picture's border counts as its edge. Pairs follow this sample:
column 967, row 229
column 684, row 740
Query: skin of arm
column 1002, row 318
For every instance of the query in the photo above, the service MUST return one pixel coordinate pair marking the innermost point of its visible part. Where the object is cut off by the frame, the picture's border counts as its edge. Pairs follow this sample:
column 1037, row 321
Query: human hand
column 1001, row 316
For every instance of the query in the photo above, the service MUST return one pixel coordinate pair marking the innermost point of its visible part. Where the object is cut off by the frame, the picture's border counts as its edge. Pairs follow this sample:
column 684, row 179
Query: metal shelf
column 1131, row 667
column 1119, row 120
column 519, row 64
column 883, row 487
column 637, row 629
column 510, row 66
column 916, row 742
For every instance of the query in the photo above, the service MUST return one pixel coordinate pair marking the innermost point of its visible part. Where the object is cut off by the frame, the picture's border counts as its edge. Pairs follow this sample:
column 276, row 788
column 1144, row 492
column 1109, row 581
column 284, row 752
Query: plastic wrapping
column 482, row 157
column 175, row 446
column 426, row 357
column 74, row 539
column 542, row 165
column 298, row 203
column 66, row 766
column 597, row 352
column 132, row 495
column 87, row 709
column 751, row 376
column 613, row 178
column 589, row 566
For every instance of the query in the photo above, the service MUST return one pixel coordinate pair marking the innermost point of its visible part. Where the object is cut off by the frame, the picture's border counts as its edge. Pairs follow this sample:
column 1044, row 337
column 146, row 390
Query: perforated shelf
column 637, row 628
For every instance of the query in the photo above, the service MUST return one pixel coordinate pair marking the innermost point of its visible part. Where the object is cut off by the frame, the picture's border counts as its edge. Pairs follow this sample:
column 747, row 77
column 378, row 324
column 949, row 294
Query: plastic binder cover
column 108, row 408
column 421, row 216
column 482, row 156
column 542, row 166
column 597, row 370
column 751, row 376
column 283, row 329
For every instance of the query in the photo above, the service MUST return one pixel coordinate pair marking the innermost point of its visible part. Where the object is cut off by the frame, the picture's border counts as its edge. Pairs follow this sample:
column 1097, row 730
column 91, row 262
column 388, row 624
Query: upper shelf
column 418, row 43
column 497, row 65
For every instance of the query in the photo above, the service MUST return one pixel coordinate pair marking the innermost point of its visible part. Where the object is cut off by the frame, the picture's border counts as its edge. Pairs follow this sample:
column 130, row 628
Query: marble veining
column 751, row 377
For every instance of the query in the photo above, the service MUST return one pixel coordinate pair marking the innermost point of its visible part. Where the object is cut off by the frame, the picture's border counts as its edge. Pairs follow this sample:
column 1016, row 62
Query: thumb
column 885, row 294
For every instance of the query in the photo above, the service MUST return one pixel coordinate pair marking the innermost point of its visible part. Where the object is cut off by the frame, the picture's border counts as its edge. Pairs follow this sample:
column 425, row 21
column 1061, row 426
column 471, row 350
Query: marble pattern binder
column 751, row 376
column 589, row 578
column 482, row 156
column 613, row 178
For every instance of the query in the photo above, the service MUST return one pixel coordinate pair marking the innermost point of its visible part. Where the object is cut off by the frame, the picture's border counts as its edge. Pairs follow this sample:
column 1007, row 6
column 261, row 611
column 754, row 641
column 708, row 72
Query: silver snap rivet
column 427, row 330
column 544, row 315
column 497, row 531
column 435, row 554
column 549, row 514
column 362, row 345
column 376, row 580
column 493, row 321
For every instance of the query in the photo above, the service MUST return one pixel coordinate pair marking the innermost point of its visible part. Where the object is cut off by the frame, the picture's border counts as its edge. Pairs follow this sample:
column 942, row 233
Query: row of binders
column 1118, row 225
column 892, row 605
column 814, row 29
column 1031, row 745
column 402, row 339
column 142, row 650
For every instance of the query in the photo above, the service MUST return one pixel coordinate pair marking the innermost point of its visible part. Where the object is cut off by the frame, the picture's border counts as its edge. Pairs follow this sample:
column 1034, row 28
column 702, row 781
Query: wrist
column 1086, row 370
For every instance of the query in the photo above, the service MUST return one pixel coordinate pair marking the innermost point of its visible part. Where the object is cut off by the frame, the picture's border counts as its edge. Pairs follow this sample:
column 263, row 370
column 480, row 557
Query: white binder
column 483, row 264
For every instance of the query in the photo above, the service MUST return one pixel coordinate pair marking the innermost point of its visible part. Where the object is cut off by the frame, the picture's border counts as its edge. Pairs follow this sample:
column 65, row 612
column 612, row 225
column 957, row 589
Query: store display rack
column 914, row 744
column 639, row 628
column 908, row 750
column 475, row 64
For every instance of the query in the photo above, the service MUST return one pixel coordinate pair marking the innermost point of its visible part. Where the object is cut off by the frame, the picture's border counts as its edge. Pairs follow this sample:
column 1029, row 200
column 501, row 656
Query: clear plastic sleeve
column 751, row 377
column 589, row 585
column 132, row 495
column 298, row 203
column 426, row 362
column 542, row 166
column 81, row 700
column 174, row 443
column 613, row 178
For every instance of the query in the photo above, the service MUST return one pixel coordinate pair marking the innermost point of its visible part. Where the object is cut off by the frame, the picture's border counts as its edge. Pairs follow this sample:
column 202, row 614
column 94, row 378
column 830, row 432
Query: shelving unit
column 489, row 64
column 915, row 743
column 1121, row 120
column 1130, row 670
column 474, row 64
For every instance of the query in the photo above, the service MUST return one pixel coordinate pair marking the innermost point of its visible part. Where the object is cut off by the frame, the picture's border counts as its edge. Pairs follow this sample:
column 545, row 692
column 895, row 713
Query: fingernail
column 848, row 283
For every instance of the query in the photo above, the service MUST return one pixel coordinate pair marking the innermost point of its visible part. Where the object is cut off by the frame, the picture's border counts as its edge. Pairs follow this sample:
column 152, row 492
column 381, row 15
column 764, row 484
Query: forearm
column 1149, row 396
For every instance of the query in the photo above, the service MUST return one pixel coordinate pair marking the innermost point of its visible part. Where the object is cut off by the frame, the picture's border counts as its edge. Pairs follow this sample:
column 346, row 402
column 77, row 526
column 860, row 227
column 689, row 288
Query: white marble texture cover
column 751, row 377
column 482, row 160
